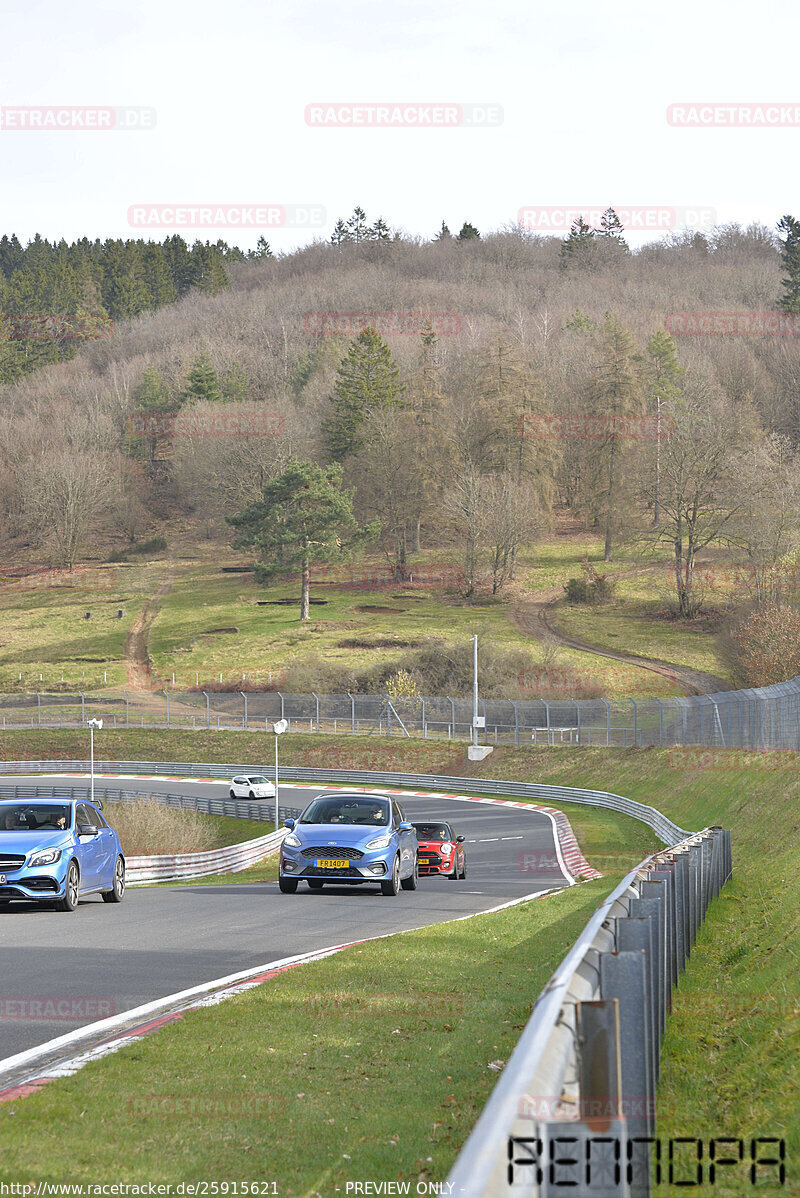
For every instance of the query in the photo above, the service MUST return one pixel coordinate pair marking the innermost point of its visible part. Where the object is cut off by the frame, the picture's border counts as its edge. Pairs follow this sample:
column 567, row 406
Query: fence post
column 166, row 696
column 424, row 725
column 317, row 700
column 516, row 722
column 352, row 712
column 244, row 696
column 577, row 703
column 635, row 721
column 208, row 708
column 608, row 721
column 547, row 709
column 388, row 714
column 83, row 705
column 280, row 696
column 127, row 707
column 660, row 721
column 38, row 709
column 453, row 718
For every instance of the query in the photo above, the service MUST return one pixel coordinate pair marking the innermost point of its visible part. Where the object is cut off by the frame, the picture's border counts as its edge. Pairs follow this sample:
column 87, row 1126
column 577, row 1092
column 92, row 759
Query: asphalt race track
column 160, row 940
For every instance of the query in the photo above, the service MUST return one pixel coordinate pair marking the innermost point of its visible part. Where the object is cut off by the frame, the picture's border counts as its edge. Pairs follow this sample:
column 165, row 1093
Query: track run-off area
column 104, row 960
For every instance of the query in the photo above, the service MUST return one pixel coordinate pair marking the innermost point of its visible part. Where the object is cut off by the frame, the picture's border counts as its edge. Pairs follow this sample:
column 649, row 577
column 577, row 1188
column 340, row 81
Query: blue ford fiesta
column 57, row 851
column 350, row 839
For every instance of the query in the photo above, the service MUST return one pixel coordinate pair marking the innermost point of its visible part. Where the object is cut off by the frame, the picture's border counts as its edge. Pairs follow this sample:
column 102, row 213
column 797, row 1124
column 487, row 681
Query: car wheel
column 392, row 886
column 232, row 794
column 251, row 795
column 287, row 885
column 453, row 875
column 314, row 884
column 70, row 899
column 411, row 883
column 117, row 892
column 464, row 869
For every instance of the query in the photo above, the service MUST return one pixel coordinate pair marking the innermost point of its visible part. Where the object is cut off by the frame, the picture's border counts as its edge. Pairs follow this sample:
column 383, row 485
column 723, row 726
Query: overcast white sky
column 584, row 91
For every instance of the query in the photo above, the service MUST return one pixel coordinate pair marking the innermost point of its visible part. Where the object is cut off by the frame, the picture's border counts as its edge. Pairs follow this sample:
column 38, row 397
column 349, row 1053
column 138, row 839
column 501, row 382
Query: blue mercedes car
column 58, row 851
column 350, row 839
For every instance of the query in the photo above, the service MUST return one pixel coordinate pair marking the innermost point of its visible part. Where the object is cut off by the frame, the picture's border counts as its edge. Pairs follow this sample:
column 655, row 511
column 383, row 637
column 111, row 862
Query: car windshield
column 257, row 780
column 346, row 810
column 433, row 832
column 26, row 817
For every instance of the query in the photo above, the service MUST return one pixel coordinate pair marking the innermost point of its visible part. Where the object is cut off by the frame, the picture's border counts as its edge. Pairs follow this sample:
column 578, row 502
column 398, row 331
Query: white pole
column 91, row 758
column 475, row 691
column 277, row 809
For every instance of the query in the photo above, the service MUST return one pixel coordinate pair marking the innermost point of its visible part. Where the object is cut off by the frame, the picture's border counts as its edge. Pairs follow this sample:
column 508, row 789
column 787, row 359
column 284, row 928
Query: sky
column 253, row 117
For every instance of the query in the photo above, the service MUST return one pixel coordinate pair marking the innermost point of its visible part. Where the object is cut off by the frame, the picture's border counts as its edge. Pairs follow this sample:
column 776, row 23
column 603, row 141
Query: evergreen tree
column 578, row 249
column 444, row 234
column 207, row 268
column 340, row 234
column 302, row 518
column 468, row 232
column 11, row 255
column 157, row 277
column 380, row 231
column 236, row 385
column 357, row 227
column 262, row 249
column 664, row 375
column 611, row 227
column 203, row 382
column 368, row 379
column 179, row 261
column 790, row 258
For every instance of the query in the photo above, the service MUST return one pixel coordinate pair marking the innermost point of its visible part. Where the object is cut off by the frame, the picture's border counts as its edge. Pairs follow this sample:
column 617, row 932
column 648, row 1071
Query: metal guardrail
column 173, row 867
column 580, row 1086
column 763, row 718
column 664, row 828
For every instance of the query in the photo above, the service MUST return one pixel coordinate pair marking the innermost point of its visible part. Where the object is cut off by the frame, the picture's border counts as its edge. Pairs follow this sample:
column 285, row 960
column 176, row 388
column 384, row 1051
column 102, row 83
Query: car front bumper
column 37, row 885
column 370, row 867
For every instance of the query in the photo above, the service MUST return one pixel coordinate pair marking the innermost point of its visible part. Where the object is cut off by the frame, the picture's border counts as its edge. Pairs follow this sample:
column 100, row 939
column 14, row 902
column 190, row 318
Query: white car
column 252, row 786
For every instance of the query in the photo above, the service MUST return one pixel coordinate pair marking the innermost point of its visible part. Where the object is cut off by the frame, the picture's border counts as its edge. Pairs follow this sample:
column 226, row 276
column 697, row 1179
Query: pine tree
column 578, row 248
column 380, row 231
column 368, row 379
column 236, row 385
column 340, row 234
column 790, row 257
column 179, row 261
column 664, row 375
column 262, row 249
column 157, row 278
column 207, row 268
column 357, row 227
column 444, row 234
column 468, row 232
column 203, row 382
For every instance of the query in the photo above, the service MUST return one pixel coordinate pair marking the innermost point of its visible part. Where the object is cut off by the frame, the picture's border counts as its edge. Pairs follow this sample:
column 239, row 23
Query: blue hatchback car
column 58, row 850
column 350, row 839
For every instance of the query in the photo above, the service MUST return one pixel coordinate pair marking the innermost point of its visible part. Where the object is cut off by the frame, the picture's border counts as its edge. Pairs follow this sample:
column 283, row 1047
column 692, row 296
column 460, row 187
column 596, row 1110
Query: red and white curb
column 144, row 1020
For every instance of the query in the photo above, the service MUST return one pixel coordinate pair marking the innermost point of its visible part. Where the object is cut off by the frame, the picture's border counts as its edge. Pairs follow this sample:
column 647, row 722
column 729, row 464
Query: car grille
column 10, row 892
column 9, row 863
column 311, row 871
column 326, row 850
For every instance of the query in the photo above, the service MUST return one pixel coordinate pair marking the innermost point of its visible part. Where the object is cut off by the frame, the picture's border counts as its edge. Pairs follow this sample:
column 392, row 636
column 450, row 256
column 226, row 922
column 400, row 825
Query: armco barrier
column 230, row 860
column 665, row 829
column 575, row 1104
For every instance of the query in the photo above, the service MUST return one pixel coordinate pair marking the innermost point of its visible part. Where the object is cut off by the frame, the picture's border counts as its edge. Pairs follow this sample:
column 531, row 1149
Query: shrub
column 768, row 645
column 592, row 588
column 146, row 828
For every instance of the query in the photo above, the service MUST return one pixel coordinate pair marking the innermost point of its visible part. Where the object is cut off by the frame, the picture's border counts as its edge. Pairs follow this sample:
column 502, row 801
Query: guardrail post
column 668, row 876
column 653, row 909
column 317, row 717
column 638, row 935
column 599, row 1066
column 624, row 976
column 608, row 721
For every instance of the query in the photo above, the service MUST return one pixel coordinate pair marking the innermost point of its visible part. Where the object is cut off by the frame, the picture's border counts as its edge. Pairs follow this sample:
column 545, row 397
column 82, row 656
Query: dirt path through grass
column 532, row 614
column 137, row 643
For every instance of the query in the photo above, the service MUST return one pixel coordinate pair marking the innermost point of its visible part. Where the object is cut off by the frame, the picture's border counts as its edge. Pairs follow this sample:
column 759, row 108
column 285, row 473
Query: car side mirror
column 288, row 823
column 405, row 826
column 459, row 840
column 87, row 829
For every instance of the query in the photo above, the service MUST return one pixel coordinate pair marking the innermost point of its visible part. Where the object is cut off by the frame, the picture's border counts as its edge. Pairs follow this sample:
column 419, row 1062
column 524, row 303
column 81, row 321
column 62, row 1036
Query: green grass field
column 380, row 1105
column 212, row 624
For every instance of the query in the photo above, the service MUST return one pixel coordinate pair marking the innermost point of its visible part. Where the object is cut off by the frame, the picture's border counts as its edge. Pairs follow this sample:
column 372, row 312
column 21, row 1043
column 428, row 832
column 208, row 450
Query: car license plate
column 331, row 863
column 3, row 878
column 426, row 860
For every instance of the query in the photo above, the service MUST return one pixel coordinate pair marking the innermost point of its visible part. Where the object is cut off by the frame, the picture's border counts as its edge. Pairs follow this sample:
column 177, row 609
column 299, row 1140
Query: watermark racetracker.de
column 736, row 115
column 55, row 1007
column 386, row 324
column 642, row 218
column 207, row 215
column 733, row 324
column 407, row 114
column 75, row 118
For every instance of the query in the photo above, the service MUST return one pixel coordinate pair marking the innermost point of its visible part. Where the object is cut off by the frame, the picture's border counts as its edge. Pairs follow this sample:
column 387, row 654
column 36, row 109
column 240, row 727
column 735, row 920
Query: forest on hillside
column 464, row 387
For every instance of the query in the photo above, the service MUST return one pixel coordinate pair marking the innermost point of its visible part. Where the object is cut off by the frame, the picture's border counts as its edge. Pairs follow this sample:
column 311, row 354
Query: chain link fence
column 766, row 718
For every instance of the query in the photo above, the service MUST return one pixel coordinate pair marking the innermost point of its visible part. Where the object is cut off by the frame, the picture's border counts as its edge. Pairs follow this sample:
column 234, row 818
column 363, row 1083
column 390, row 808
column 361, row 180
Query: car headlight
column 48, row 857
column 381, row 842
column 293, row 841
column 447, row 848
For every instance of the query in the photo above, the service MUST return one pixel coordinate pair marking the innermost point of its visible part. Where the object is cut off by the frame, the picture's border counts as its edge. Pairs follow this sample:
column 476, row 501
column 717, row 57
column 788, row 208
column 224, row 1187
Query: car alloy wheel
column 392, row 886
column 411, row 883
column 72, row 889
column 117, row 891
